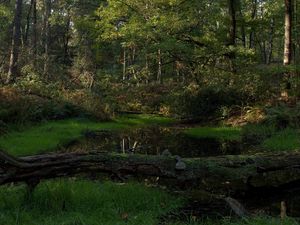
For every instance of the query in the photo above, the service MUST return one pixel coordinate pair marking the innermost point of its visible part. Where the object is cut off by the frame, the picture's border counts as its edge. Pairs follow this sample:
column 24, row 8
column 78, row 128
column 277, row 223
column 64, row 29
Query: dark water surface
column 154, row 141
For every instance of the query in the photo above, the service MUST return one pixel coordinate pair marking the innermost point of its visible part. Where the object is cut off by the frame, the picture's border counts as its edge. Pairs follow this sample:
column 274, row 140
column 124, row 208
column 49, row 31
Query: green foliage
column 223, row 133
column 255, row 134
column 283, row 116
column 205, row 102
column 80, row 202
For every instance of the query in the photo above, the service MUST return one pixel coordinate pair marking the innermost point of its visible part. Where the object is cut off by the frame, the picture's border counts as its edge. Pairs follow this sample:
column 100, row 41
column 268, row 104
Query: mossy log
column 223, row 174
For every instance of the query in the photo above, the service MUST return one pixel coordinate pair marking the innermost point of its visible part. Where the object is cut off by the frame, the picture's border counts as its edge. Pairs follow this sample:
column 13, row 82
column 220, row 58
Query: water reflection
column 153, row 141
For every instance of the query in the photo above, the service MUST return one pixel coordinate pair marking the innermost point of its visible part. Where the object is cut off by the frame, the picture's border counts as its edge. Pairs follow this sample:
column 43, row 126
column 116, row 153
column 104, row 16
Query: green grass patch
column 77, row 202
column 50, row 135
column 285, row 140
column 223, row 133
column 144, row 119
column 80, row 202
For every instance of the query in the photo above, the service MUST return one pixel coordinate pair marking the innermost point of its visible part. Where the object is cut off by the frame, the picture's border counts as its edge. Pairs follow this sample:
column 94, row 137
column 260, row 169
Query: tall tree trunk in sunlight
column 288, row 33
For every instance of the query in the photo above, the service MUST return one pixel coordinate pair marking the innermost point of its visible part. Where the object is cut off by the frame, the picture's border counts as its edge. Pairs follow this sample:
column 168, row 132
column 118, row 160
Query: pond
column 154, row 140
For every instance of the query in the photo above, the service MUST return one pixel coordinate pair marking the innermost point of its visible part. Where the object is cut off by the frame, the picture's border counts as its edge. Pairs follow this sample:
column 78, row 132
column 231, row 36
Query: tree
column 15, row 45
column 288, row 33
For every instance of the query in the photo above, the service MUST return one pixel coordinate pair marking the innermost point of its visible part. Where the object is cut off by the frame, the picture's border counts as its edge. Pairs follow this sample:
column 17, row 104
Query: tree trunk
column 288, row 33
column 28, row 18
column 159, row 71
column 270, row 45
column 47, row 13
column 253, row 16
column 15, row 45
column 232, row 33
column 34, row 30
column 224, row 174
column 232, row 28
column 124, row 63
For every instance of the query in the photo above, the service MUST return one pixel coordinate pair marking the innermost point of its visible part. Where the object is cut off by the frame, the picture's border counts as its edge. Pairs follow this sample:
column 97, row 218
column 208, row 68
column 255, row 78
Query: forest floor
column 82, row 202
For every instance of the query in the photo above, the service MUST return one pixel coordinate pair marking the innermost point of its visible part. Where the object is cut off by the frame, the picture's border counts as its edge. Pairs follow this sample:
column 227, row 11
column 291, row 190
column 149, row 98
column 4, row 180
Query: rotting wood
column 223, row 174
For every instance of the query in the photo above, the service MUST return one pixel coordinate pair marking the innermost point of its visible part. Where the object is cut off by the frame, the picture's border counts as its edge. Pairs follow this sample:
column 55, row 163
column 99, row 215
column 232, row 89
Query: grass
column 77, row 202
column 223, row 133
column 49, row 135
column 285, row 140
column 268, row 138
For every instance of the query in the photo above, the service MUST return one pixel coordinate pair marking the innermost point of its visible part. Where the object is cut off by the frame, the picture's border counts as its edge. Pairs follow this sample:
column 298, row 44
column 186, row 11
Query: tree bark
column 159, row 70
column 27, row 28
column 288, row 33
column 232, row 33
column 224, row 174
column 232, row 28
column 15, row 45
column 47, row 13
column 253, row 16
column 34, row 28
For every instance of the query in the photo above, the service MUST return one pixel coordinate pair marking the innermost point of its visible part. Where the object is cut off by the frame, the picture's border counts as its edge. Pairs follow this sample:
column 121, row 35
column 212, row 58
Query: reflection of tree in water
column 153, row 141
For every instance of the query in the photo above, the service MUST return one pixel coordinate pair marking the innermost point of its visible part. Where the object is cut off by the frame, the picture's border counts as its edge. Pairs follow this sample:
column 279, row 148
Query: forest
column 149, row 112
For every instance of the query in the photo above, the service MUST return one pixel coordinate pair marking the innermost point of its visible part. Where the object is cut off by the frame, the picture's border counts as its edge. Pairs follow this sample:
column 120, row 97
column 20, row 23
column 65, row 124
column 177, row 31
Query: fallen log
column 223, row 174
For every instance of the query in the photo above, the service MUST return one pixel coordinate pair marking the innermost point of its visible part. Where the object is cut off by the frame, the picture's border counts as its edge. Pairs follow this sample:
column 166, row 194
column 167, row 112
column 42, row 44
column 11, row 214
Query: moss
column 224, row 133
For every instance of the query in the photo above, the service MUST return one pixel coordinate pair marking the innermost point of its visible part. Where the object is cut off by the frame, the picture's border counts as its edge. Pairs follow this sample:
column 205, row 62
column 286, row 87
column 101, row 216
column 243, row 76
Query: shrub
column 283, row 116
column 88, row 103
column 254, row 134
column 205, row 102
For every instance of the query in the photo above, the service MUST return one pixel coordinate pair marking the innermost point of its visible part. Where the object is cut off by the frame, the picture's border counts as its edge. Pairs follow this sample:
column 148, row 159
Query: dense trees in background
column 81, row 42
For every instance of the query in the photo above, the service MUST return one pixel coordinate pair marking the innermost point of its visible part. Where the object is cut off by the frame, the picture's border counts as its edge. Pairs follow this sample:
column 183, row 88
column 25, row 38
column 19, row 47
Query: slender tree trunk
column 253, row 16
column 232, row 33
column 34, row 29
column 243, row 30
column 66, row 39
column 15, row 45
column 270, row 46
column 288, row 33
column 47, row 14
column 232, row 28
column 28, row 18
column 159, row 71
column 124, row 64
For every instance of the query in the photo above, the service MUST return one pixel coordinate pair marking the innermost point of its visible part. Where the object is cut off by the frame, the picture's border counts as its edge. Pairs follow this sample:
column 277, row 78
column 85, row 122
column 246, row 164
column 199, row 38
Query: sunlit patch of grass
column 48, row 136
column 224, row 133
column 84, row 202
column 144, row 119
column 284, row 140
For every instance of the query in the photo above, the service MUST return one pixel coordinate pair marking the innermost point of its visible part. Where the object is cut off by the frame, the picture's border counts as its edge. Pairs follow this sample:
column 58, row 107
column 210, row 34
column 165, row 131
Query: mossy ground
column 223, row 133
